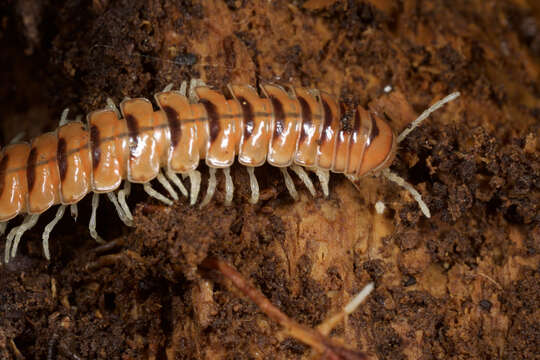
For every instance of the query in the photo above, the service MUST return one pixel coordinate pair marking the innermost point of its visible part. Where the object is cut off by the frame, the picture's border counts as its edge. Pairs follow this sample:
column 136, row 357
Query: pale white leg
column 122, row 194
column 254, row 185
column 168, row 87
column 167, row 185
column 289, row 183
column 14, row 236
column 195, row 180
column 119, row 210
column 3, row 226
column 324, row 178
column 74, row 211
column 111, row 105
column 415, row 194
column 92, row 224
column 211, row 187
column 304, row 177
column 50, row 226
column 229, row 186
column 153, row 193
column 183, row 88
column 193, row 84
column 17, row 137
column 425, row 114
column 64, row 117
column 176, row 181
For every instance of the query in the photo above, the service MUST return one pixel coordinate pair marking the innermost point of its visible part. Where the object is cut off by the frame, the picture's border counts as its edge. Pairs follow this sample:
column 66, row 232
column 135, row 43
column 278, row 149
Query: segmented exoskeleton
column 289, row 127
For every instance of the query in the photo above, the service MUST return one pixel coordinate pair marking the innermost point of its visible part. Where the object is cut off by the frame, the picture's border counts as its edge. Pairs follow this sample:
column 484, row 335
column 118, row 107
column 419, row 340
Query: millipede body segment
column 286, row 127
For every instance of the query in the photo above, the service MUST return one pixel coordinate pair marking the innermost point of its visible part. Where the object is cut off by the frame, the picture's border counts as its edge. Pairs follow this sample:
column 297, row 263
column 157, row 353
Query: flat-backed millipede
column 284, row 126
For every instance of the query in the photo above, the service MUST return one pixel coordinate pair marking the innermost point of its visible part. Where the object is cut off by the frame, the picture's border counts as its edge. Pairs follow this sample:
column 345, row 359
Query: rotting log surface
column 463, row 284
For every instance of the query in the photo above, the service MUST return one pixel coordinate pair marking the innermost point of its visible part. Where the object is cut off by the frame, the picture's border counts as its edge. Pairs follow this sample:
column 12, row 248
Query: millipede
column 284, row 126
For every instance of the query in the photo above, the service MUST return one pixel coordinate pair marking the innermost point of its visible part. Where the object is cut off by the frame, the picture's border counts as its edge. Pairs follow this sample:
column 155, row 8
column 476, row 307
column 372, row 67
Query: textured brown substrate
column 464, row 284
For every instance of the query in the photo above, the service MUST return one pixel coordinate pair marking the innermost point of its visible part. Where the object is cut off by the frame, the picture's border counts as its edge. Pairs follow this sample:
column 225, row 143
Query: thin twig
column 320, row 343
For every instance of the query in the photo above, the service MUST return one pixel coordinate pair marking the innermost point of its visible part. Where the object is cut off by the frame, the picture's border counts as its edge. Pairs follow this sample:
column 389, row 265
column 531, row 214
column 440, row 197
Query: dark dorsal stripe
column 374, row 131
column 3, row 174
column 31, row 169
column 307, row 118
column 348, row 111
column 344, row 122
column 133, row 132
column 95, row 145
column 61, row 158
column 279, row 116
column 327, row 121
column 248, row 115
column 213, row 119
column 173, row 118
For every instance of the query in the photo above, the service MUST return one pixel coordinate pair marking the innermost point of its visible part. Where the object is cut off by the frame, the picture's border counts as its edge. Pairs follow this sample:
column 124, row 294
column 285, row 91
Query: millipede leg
column 92, row 224
column 324, row 178
column 111, row 105
column 64, row 117
column 14, row 236
column 74, row 211
column 3, row 226
column 121, row 214
column 168, row 87
column 17, row 137
column 196, row 83
column 122, row 194
column 183, row 88
column 289, row 183
column 156, row 195
column 254, row 185
column 195, row 180
column 50, row 226
column 167, row 185
column 193, row 84
column 415, row 194
column 425, row 114
column 304, row 177
column 211, row 187
column 176, row 181
column 229, row 186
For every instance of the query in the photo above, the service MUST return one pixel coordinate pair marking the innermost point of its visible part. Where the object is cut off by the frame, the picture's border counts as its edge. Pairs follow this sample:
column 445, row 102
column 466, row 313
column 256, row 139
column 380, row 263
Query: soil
column 464, row 284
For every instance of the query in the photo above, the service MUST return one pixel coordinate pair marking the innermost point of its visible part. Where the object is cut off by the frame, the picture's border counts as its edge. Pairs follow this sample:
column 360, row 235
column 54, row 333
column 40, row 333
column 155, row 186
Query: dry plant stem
column 328, row 348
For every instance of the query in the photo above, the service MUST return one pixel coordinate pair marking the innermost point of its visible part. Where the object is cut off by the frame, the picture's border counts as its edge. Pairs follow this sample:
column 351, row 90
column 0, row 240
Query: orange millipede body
column 286, row 127
column 279, row 126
